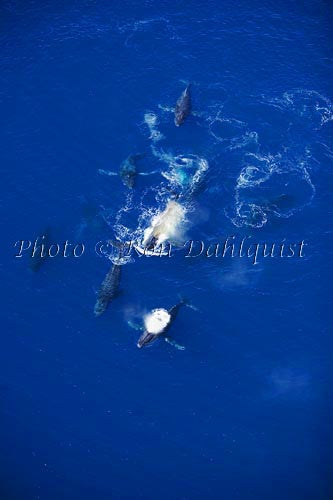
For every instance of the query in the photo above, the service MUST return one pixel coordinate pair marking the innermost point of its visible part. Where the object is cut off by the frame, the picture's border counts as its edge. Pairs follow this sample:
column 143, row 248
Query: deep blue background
column 244, row 411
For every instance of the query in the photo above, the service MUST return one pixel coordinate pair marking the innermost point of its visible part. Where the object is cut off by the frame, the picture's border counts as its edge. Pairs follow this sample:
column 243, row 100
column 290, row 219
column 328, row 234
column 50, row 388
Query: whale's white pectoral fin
column 166, row 108
column 193, row 307
column 174, row 344
column 187, row 304
column 106, row 172
column 134, row 325
column 149, row 173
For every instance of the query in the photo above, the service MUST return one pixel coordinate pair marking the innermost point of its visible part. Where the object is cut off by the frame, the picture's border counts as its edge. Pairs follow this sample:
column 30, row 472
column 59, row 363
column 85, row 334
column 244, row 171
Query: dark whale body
column 148, row 338
column 183, row 107
column 108, row 290
column 128, row 170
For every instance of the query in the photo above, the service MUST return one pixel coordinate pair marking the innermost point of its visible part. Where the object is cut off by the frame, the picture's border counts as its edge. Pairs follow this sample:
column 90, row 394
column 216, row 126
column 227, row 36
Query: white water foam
column 152, row 121
column 230, row 132
column 184, row 171
column 140, row 30
column 156, row 321
column 167, row 225
column 314, row 109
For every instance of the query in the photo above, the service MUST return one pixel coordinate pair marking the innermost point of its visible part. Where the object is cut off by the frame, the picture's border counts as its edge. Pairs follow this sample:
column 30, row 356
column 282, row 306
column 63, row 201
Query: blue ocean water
column 244, row 411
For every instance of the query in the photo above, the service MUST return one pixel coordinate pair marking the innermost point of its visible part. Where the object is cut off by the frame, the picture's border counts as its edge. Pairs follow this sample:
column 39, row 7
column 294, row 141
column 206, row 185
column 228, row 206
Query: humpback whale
column 183, row 107
column 39, row 257
column 108, row 289
column 92, row 217
column 157, row 324
column 110, row 286
column 128, row 170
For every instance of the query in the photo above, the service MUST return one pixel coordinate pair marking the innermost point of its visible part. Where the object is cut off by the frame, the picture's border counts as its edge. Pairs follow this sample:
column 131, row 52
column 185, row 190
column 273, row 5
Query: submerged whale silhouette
column 128, row 170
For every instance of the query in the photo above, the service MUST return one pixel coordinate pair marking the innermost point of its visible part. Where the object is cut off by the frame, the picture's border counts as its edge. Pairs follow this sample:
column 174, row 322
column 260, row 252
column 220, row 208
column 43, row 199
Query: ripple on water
column 270, row 186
